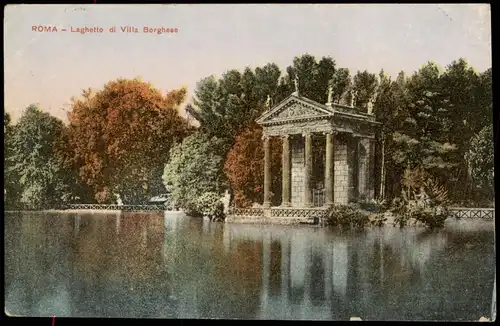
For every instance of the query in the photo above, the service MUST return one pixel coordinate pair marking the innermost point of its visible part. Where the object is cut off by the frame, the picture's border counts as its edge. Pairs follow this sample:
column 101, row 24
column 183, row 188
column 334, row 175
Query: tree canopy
column 33, row 170
column 194, row 168
column 120, row 138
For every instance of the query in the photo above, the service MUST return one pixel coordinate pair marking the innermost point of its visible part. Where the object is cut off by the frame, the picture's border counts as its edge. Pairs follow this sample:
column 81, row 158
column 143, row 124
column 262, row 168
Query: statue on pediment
column 352, row 94
column 296, row 82
column 268, row 101
column 330, row 94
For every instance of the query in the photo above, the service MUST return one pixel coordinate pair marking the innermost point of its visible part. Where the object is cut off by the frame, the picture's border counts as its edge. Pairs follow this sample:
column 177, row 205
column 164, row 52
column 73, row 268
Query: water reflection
column 171, row 266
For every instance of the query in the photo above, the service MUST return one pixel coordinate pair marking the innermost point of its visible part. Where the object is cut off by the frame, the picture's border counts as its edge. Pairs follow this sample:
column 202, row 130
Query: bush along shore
column 353, row 217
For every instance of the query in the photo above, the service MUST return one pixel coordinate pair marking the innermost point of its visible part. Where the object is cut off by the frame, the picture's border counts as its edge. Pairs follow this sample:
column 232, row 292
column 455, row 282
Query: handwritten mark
column 444, row 12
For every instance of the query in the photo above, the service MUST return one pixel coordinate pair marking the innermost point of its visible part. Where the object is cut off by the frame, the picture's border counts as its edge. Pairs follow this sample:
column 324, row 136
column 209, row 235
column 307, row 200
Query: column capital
column 287, row 136
column 330, row 132
column 306, row 133
column 265, row 137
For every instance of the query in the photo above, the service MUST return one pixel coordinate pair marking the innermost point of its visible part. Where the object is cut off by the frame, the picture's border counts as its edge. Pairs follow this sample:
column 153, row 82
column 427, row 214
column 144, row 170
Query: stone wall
column 298, row 170
column 341, row 174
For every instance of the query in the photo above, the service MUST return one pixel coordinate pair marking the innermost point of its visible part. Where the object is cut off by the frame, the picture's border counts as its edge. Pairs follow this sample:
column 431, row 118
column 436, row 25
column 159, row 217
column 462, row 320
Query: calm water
column 171, row 266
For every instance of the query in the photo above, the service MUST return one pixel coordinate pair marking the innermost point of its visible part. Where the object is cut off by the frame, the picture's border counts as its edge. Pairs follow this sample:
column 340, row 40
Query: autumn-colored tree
column 120, row 138
column 244, row 167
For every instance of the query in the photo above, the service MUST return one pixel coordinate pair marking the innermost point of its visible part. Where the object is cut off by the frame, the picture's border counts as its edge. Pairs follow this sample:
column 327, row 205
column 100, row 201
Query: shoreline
column 91, row 211
column 450, row 223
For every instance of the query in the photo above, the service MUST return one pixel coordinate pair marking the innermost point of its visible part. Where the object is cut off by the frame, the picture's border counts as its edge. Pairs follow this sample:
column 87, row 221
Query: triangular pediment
column 294, row 108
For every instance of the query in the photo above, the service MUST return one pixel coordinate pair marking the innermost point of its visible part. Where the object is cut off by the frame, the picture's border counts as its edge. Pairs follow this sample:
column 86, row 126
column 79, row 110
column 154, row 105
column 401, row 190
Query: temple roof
column 299, row 108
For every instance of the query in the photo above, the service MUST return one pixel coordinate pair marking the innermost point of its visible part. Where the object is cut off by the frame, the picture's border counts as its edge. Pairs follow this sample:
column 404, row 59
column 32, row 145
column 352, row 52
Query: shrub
column 407, row 211
column 194, row 168
column 374, row 205
column 209, row 205
column 377, row 219
column 431, row 217
column 346, row 217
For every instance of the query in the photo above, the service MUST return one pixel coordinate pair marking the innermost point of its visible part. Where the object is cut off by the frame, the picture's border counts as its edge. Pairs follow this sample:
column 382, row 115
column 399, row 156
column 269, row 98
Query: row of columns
column 286, row 170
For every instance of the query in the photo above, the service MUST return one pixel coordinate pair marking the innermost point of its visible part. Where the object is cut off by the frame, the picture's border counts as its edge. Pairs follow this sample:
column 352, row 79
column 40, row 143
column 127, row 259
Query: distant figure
column 353, row 95
column 268, row 102
column 226, row 200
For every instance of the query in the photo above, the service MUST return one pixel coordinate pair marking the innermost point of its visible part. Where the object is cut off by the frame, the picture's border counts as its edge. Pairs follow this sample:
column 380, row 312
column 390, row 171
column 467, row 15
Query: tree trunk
column 382, row 168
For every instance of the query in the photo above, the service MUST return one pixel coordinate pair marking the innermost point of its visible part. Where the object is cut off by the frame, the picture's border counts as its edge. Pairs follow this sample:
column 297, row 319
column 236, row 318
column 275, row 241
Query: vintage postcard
column 252, row 161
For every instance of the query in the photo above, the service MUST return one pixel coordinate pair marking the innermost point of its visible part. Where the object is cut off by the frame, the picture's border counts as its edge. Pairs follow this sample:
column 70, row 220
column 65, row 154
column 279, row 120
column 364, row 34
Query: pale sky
column 50, row 68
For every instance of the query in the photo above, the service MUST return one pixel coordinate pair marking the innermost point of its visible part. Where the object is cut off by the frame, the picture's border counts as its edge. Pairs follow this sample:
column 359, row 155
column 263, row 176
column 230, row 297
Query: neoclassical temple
column 345, row 171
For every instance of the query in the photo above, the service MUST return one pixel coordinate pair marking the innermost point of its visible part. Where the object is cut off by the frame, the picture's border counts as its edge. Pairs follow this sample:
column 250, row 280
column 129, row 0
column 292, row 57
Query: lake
column 167, row 265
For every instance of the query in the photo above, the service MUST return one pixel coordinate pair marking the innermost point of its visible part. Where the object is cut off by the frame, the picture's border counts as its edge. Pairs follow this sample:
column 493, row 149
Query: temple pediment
column 294, row 108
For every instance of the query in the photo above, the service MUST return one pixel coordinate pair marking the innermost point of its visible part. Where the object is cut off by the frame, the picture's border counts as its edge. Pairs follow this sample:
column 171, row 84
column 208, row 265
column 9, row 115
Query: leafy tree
column 425, row 142
column 480, row 160
column 244, row 167
column 224, row 107
column 267, row 80
column 11, row 179
column 364, row 86
column 42, row 178
column 341, row 82
column 194, row 168
column 121, row 136
column 314, row 77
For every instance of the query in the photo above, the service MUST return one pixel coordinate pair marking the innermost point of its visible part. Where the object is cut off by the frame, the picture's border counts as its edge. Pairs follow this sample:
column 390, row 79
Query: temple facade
column 343, row 173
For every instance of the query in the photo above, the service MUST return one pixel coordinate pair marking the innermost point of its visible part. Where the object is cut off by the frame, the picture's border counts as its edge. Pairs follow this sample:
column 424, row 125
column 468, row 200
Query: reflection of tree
column 124, row 257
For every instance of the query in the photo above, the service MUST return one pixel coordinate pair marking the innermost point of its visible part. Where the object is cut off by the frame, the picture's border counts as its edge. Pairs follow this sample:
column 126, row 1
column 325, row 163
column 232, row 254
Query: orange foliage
column 244, row 167
column 122, row 133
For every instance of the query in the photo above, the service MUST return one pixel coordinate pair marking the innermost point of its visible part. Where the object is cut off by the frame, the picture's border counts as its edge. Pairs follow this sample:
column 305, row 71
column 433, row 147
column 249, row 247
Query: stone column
column 362, row 172
column 267, row 173
column 308, row 170
column 370, row 155
column 329, row 169
column 357, row 167
column 286, row 171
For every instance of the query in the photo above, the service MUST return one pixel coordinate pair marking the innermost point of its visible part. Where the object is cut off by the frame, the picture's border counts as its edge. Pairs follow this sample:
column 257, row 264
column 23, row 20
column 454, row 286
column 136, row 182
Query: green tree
column 364, row 86
column 223, row 107
column 11, row 179
column 480, row 161
column 194, row 168
column 314, row 77
column 341, row 82
column 42, row 178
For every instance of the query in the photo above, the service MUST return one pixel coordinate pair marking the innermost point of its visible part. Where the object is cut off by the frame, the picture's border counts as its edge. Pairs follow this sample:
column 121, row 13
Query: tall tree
column 480, row 161
column 364, row 86
column 33, row 159
column 226, row 106
column 314, row 77
column 423, row 138
column 341, row 82
column 121, row 137
column 11, row 179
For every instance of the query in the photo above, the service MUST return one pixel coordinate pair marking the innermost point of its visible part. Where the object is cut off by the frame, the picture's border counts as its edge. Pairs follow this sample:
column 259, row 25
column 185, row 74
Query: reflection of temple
column 299, row 277
column 310, row 273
